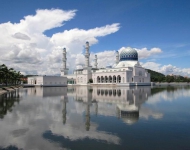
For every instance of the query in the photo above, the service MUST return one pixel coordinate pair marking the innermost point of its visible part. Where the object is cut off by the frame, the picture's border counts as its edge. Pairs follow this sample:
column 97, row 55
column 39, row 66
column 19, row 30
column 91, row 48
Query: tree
column 169, row 78
column 9, row 76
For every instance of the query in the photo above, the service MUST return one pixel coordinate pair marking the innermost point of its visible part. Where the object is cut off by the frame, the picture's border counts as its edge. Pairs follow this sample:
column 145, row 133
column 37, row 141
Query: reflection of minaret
column 64, row 111
column 117, row 112
column 88, row 101
column 87, row 117
column 96, row 108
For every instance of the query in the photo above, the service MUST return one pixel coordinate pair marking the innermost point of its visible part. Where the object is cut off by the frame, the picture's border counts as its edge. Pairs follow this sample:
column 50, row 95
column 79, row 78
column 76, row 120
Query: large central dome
column 128, row 54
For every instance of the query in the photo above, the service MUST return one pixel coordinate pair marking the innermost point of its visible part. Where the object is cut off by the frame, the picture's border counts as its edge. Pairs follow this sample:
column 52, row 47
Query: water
column 84, row 118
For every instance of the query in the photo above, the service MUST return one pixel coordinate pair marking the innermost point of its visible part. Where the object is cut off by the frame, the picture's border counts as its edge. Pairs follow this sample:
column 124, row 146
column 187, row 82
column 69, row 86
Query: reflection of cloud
column 34, row 115
column 19, row 132
column 168, row 96
column 80, row 133
column 146, row 113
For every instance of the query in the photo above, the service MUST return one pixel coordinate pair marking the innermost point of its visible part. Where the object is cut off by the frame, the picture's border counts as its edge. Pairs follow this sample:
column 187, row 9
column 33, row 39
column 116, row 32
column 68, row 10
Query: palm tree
column 9, row 76
column 5, row 73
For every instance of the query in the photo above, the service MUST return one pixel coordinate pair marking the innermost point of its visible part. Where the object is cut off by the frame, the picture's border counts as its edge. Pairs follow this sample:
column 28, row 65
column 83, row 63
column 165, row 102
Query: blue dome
column 128, row 54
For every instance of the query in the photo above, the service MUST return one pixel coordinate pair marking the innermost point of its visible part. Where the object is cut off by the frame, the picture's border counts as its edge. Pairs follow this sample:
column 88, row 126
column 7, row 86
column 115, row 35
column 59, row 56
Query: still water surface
column 83, row 118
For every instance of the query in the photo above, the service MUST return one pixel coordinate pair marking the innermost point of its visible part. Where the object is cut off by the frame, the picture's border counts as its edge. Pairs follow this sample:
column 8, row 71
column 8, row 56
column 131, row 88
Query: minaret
column 64, row 58
column 64, row 70
column 95, row 62
column 117, row 57
column 87, row 54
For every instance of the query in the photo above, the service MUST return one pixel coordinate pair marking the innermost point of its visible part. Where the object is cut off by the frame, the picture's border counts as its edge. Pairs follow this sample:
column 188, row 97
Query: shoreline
column 8, row 89
column 171, row 83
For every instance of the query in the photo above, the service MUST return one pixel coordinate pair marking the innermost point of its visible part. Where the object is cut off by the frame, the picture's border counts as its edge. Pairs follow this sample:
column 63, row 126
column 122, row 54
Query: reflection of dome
column 131, row 118
column 128, row 54
column 128, row 113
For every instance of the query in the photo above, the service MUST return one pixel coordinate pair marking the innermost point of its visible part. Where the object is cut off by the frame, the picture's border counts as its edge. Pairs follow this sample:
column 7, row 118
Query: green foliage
column 170, row 78
column 159, row 77
column 156, row 76
column 8, row 76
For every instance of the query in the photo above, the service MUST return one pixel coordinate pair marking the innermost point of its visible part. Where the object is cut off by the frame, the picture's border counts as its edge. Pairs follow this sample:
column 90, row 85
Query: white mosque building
column 127, row 70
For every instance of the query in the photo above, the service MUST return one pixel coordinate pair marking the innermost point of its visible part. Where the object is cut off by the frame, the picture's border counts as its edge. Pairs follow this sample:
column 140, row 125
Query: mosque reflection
column 123, row 103
column 127, row 101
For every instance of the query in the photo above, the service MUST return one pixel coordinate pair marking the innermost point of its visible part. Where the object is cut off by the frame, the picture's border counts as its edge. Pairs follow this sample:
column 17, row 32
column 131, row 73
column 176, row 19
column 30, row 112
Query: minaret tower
column 117, row 57
column 87, row 54
column 95, row 62
column 64, row 70
column 87, row 70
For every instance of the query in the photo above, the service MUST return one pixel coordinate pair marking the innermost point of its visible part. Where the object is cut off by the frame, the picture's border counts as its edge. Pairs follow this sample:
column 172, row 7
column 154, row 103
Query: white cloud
column 145, row 53
column 21, row 36
column 107, row 57
column 167, row 69
column 25, row 47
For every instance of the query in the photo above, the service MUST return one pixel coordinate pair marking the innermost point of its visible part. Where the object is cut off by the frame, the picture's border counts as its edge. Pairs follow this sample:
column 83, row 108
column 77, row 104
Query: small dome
column 128, row 54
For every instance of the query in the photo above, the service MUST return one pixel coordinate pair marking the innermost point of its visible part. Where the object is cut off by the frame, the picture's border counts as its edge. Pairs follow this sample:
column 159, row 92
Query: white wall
column 47, row 80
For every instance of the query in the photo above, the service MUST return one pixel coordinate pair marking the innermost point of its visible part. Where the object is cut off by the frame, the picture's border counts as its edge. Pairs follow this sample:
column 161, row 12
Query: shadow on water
column 7, row 102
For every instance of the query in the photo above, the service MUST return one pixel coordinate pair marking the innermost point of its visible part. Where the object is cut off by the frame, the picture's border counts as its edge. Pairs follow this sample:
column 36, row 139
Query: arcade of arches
column 109, row 79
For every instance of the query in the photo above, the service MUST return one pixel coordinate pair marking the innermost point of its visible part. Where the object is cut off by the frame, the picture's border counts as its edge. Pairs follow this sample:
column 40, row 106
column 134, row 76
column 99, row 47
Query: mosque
column 126, row 71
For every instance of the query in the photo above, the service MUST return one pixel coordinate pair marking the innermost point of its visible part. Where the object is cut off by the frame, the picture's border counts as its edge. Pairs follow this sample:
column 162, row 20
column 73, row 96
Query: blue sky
column 146, row 24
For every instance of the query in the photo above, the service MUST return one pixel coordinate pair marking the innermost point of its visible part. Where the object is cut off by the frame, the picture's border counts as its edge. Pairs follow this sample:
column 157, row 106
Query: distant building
column 47, row 81
column 127, row 70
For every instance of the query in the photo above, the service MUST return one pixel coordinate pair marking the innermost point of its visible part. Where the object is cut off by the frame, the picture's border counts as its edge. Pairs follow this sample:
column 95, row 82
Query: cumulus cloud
column 110, row 55
column 21, row 36
column 145, row 53
column 25, row 47
column 167, row 69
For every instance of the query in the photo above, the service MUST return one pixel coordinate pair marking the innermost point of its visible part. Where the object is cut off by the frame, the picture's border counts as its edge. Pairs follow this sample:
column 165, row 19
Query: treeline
column 8, row 76
column 159, row 77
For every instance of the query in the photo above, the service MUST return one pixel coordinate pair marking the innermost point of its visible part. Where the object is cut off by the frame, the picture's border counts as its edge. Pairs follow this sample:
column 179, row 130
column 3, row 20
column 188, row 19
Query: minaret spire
column 64, row 58
column 87, row 54
column 117, row 57
column 95, row 62
column 64, row 70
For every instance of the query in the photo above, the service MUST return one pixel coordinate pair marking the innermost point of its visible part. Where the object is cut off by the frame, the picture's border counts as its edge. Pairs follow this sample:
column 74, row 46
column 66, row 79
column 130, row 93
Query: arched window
column 98, row 92
column 98, row 79
column 106, row 79
column 110, row 92
column 114, row 79
column 102, row 79
column 102, row 92
column 114, row 92
column 110, row 79
column 118, row 79
column 118, row 92
column 106, row 92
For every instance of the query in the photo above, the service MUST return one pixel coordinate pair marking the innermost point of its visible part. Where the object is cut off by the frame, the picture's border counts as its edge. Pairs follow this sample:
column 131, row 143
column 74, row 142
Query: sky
column 33, row 33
